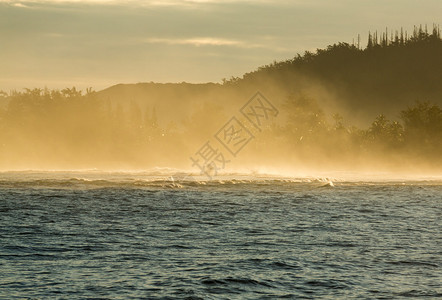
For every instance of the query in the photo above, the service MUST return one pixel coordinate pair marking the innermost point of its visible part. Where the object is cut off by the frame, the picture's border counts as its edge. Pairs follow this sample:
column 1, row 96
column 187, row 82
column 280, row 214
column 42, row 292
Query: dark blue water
column 251, row 239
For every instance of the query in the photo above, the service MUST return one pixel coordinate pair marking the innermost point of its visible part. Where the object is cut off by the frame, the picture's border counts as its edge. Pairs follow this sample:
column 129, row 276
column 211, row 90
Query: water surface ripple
column 244, row 240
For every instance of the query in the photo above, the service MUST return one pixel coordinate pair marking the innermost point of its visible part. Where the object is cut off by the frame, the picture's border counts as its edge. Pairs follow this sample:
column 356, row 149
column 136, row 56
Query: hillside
column 359, row 83
column 388, row 74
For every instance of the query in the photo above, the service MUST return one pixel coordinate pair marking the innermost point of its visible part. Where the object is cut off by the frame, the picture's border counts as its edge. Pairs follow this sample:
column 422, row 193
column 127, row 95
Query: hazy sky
column 98, row 43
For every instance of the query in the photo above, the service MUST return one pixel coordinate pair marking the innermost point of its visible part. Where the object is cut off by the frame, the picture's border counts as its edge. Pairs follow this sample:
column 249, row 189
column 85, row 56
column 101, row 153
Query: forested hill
column 393, row 71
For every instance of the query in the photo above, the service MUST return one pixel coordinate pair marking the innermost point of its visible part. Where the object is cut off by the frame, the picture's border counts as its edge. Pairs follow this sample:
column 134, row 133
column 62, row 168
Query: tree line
column 66, row 126
column 380, row 78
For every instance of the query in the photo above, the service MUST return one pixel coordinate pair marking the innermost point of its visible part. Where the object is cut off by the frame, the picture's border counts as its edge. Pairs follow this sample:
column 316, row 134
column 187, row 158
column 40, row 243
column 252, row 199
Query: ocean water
column 95, row 235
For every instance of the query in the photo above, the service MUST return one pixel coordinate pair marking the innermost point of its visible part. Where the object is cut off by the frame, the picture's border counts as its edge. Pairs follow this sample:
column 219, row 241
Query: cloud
column 202, row 41
column 145, row 2
column 211, row 41
column 19, row 5
column 128, row 3
column 22, row 3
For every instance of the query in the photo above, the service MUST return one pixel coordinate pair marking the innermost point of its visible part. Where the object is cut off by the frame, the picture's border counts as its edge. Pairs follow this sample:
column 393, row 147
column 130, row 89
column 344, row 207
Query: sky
column 99, row 43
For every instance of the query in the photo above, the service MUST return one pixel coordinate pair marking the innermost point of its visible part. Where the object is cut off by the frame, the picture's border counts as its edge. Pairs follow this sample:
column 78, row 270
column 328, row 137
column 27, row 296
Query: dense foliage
column 65, row 126
column 390, row 71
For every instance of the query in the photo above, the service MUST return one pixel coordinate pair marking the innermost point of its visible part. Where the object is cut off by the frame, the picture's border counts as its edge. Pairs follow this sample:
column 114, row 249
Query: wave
column 136, row 183
column 177, row 179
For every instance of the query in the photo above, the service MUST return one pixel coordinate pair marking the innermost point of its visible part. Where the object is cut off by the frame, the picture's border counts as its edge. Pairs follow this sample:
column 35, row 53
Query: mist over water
column 294, row 133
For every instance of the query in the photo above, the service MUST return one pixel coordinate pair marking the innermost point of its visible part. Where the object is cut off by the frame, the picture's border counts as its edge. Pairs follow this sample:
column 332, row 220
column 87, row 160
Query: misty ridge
column 345, row 107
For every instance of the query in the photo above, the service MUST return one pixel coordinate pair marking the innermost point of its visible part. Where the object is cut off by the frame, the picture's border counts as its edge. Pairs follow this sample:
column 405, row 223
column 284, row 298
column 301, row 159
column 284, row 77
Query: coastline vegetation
column 70, row 128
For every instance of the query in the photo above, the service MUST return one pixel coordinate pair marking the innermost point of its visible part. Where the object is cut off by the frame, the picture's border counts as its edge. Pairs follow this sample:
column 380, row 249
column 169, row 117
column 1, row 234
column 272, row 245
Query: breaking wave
column 165, row 178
